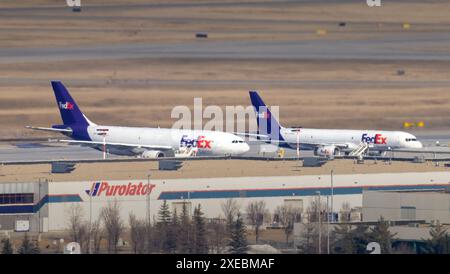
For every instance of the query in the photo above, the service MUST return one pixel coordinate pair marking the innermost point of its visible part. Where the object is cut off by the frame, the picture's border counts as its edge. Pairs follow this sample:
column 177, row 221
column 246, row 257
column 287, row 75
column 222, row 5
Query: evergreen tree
column 200, row 241
column 28, row 247
column 164, row 214
column 352, row 240
column 164, row 220
column 307, row 245
column 439, row 242
column 238, row 241
column 217, row 236
column 344, row 239
column 229, row 225
column 172, row 233
column 361, row 238
column 185, row 232
column 7, row 247
column 380, row 233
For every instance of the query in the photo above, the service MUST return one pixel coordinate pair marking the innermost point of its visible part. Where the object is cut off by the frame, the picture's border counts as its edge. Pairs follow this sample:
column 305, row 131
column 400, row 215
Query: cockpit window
column 410, row 139
column 237, row 141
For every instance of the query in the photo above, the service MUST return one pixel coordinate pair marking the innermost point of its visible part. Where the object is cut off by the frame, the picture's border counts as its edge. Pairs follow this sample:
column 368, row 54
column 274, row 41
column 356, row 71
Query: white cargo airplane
column 327, row 142
column 137, row 141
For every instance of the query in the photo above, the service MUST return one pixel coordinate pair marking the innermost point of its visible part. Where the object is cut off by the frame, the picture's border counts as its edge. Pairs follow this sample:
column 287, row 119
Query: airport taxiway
column 46, row 151
column 421, row 46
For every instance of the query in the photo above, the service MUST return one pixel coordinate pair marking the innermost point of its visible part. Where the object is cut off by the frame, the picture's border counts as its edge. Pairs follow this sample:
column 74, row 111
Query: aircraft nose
column 419, row 145
column 245, row 147
column 241, row 148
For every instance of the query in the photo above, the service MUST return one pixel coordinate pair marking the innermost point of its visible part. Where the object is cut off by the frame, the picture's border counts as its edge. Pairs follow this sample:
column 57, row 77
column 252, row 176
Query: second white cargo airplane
column 327, row 142
column 144, row 142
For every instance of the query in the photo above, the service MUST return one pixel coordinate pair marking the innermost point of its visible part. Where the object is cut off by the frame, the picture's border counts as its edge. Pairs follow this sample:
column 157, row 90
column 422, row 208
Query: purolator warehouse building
column 140, row 189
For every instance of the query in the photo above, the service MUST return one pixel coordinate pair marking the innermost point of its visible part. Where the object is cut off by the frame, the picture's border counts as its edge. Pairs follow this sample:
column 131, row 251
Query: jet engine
column 152, row 154
column 377, row 153
column 327, row 151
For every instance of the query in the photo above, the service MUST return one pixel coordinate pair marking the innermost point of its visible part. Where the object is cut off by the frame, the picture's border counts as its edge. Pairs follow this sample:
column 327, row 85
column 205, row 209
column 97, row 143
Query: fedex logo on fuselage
column 131, row 189
column 200, row 142
column 378, row 139
column 66, row 105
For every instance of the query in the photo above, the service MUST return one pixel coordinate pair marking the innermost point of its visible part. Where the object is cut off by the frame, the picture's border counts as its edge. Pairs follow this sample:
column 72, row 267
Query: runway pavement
column 408, row 46
column 394, row 45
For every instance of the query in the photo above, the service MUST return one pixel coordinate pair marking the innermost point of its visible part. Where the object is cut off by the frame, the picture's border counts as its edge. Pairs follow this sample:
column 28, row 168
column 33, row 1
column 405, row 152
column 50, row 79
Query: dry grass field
column 142, row 92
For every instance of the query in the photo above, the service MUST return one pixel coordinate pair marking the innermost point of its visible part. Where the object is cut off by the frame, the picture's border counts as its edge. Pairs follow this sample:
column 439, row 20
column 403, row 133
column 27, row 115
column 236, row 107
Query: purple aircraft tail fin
column 70, row 113
column 267, row 124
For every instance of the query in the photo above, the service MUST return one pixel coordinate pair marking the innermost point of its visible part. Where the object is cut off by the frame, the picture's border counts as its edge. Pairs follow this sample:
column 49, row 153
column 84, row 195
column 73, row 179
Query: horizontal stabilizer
column 50, row 129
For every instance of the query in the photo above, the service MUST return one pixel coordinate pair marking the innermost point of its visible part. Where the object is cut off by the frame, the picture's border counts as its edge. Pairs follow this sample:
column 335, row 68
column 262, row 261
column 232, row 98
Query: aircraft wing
column 246, row 134
column 325, row 144
column 96, row 143
column 50, row 129
column 294, row 144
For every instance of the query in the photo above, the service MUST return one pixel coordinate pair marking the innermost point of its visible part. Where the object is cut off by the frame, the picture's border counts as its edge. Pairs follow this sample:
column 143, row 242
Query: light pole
column 148, row 212
column 320, row 227
column 332, row 212
column 328, row 227
column 40, row 181
column 39, row 210
column 90, row 221
column 332, row 196
column 148, row 199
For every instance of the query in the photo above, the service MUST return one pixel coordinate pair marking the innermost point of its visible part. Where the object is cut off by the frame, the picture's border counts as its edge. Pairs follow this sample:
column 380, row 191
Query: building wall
column 10, row 213
column 426, row 206
column 211, row 193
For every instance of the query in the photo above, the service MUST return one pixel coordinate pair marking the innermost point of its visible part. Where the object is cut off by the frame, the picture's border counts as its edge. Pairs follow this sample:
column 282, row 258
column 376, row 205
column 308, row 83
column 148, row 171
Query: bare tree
column 96, row 234
column 307, row 245
column 79, row 229
column 345, row 212
column 315, row 211
column 287, row 215
column 75, row 216
column 138, row 231
column 113, row 224
column 82, row 231
column 84, row 237
column 256, row 213
column 230, row 209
